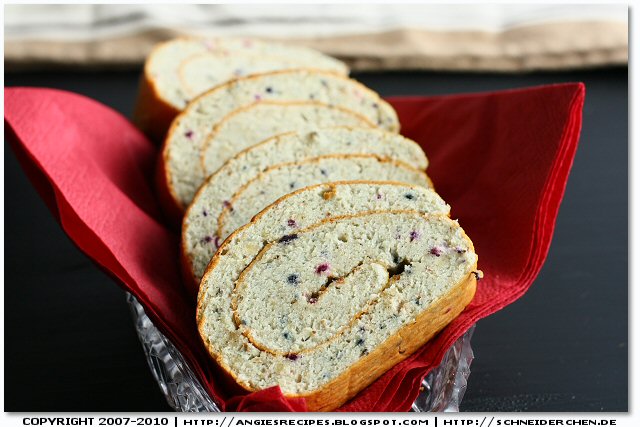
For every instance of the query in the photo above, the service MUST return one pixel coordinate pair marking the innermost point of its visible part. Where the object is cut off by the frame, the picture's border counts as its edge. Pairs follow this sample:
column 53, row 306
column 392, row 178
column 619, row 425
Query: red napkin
column 500, row 159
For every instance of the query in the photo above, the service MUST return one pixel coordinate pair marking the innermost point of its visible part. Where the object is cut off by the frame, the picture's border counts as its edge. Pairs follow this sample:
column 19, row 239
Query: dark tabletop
column 70, row 344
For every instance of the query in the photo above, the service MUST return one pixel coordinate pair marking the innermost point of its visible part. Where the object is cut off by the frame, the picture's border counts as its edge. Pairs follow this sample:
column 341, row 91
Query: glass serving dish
column 442, row 390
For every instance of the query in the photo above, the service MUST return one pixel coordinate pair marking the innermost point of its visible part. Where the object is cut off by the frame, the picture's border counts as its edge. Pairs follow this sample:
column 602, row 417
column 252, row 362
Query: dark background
column 70, row 344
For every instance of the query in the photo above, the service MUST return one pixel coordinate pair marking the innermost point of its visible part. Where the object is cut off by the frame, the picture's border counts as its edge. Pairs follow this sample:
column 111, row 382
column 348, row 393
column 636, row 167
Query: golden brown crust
column 152, row 114
column 172, row 210
column 187, row 275
column 391, row 352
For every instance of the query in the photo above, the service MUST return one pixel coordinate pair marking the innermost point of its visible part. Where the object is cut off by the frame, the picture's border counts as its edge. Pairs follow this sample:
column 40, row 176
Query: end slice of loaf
column 279, row 180
column 250, row 125
column 178, row 70
column 324, row 311
column 182, row 172
column 199, row 227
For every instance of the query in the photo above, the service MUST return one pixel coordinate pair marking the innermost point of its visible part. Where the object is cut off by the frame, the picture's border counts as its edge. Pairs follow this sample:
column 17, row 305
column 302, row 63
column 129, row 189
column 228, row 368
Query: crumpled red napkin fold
column 500, row 159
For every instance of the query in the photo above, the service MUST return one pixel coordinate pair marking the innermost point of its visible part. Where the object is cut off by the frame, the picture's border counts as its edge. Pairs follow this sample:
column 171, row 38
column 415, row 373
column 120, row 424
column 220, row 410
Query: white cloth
column 91, row 22
column 495, row 37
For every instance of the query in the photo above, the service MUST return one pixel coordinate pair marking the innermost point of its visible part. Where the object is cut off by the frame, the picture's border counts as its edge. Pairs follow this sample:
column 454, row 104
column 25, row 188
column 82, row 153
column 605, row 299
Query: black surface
column 70, row 344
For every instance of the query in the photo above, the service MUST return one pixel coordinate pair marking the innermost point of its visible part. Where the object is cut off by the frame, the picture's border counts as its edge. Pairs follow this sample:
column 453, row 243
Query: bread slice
column 325, row 310
column 178, row 70
column 199, row 227
column 248, row 126
column 201, row 72
column 284, row 178
column 180, row 172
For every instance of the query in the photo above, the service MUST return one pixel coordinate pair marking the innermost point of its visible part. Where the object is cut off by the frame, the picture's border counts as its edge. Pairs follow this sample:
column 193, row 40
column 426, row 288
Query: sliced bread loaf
column 324, row 311
column 284, row 178
column 178, row 70
column 180, row 172
column 257, row 122
column 199, row 227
